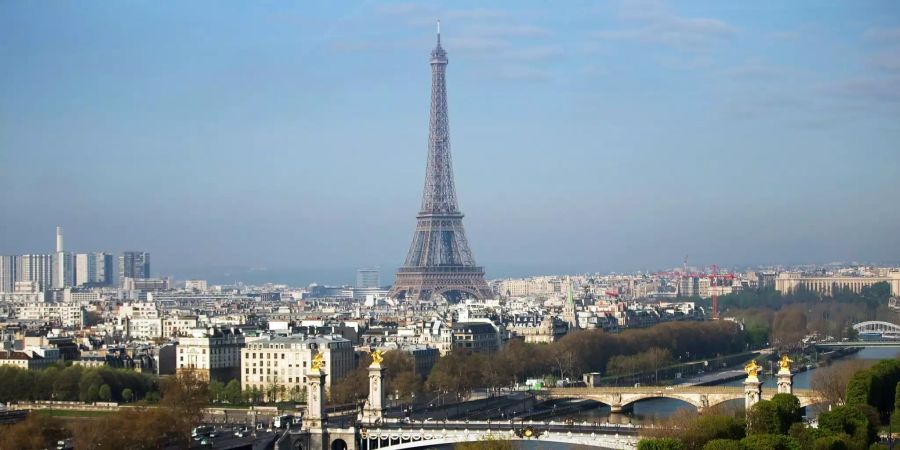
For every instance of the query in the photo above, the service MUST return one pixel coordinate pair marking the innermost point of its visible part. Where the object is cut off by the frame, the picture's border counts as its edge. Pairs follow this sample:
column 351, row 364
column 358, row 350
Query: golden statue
column 785, row 363
column 752, row 369
column 377, row 358
column 318, row 362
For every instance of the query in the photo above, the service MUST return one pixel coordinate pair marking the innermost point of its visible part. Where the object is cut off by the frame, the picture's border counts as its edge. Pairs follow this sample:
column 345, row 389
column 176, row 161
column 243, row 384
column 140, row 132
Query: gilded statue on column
column 377, row 358
column 318, row 362
column 785, row 364
column 752, row 369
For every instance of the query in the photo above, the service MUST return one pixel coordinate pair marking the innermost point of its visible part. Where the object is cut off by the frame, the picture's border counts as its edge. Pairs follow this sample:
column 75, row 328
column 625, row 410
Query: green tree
column 127, row 395
column 787, row 410
column 104, row 393
column 232, row 392
column 66, row 386
column 895, row 417
column 831, row 443
column 660, row 444
column 770, row 442
column 763, row 418
column 710, row 427
column 848, row 420
column 724, row 444
column 216, row 391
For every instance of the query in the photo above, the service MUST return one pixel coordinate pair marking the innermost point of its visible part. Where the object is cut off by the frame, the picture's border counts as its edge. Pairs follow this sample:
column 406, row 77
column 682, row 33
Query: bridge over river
column 702, row 397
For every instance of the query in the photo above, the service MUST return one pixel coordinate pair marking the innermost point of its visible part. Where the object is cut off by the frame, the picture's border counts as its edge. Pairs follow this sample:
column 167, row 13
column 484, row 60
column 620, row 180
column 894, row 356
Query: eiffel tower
column 439, row 262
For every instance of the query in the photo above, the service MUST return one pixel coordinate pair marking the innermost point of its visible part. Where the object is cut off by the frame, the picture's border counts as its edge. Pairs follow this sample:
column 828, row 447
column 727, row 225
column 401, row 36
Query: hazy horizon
column 611, row 137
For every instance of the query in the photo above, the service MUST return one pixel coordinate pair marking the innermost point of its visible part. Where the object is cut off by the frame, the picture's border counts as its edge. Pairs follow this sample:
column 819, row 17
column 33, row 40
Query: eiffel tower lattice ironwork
column 439, row 262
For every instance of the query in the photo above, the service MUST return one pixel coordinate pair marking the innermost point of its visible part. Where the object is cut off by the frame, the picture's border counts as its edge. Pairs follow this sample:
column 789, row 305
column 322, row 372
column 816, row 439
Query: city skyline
column 596, row 146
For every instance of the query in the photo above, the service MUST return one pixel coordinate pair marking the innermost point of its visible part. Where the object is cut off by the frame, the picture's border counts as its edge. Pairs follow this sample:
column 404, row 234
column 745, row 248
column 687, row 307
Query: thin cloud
column 879, row 34
column 888, row 60
column 870, row 90
column 509, row 31
column 754, row 70
column 520, row 73
column 475, row 44
column 534, row 53
column 654, row 24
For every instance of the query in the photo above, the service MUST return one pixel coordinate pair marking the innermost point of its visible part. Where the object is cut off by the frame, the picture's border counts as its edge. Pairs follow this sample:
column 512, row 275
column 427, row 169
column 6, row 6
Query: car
column 206, row 441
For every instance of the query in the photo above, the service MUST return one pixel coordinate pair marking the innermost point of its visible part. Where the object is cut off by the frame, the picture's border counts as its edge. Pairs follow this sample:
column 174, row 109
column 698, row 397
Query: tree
column 770, row 442
column 763, row 418
column 787, row 410
column 91, row 395
column 848, row 420
column 711, row 427
column 789, row 328
column 36, row 432
column 875, row 386
column 186, row 396
column 65, row 388
column 895, row 417
column 724, row 444
column 216, row 391
column 104, row 393
column 232, row 392
column 127, row 395
column 830, row 443
column 660, row 444
column 831, row 382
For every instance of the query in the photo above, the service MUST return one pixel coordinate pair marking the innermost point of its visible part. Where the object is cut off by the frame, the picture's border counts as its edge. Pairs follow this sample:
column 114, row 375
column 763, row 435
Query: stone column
column 373, row 411
column 784, row 376
column 752, row 392
column 315, row 399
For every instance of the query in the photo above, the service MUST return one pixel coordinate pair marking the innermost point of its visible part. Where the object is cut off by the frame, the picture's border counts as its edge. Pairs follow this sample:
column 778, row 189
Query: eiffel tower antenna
column 439, row 261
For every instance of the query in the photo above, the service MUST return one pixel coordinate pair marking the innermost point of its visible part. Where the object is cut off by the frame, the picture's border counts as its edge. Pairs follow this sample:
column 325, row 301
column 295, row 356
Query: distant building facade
column 134, row 265
column 93, row 269
column 36, row 268
column 7, row 273
column 213, row 354
column 826, row 285
column 368, row 278
column 276, row 367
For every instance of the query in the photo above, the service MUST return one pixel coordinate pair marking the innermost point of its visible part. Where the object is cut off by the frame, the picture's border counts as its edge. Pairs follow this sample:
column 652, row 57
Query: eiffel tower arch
column 439, row 261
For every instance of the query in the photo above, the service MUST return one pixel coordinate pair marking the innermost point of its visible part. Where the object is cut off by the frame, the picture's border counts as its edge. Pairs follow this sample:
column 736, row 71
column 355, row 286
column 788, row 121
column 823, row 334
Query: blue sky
column 590, row 136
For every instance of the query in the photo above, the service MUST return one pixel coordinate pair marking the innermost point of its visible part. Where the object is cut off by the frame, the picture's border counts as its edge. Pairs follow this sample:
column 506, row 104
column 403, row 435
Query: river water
column 656, row 408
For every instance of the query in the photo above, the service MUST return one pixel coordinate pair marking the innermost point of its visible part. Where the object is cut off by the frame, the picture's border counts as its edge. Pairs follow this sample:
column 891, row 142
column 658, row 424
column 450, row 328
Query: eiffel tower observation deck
column 439, row 262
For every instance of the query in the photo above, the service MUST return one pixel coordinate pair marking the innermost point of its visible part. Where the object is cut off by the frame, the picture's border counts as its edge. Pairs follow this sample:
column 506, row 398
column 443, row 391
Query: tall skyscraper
column 94, row 269
column 439, row 262
column 7, row 273
column 134, row 265
column 368, row 278
column 63, row 267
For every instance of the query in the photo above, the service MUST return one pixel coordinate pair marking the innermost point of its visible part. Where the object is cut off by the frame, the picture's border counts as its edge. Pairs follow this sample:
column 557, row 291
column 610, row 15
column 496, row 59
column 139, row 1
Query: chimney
column 59, row 240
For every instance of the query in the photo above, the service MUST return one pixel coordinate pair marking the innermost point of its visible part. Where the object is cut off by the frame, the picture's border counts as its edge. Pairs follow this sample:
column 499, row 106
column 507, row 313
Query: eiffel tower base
column 453, row 284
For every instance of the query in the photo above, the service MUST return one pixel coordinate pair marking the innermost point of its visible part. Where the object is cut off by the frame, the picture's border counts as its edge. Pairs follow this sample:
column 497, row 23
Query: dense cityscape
column 102, row 349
